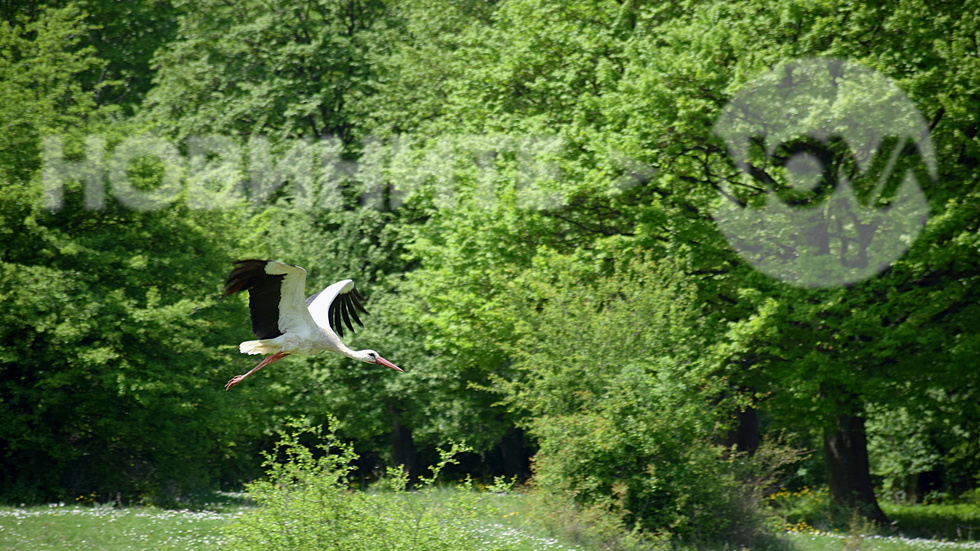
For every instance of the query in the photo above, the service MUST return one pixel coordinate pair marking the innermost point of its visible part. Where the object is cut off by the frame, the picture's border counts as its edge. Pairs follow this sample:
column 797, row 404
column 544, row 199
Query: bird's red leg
column 268, row 360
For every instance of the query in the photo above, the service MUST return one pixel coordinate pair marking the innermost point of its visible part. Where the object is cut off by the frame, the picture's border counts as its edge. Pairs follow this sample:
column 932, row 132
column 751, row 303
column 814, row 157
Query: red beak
column 386, row 363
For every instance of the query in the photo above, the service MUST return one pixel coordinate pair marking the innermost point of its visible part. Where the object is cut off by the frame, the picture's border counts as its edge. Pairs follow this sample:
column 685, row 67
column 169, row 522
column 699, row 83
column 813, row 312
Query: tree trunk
column 745, row 434
column 848, row 469
column 403, row 450
column 515, row 458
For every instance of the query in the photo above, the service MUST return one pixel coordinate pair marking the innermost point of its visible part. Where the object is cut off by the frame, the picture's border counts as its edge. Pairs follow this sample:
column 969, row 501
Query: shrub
column 305, row 503
column 619, row 385
column 804, row 507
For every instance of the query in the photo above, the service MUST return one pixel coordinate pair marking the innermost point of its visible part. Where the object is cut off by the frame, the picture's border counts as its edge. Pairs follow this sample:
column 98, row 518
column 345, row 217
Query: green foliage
column 646, row 83
column 922, row 452
column 551, row 143
column 903, row 449
column 40, row 59
column 286, row 70
column 618, row 379
column 127, row 36
column 306, row 504
column 109, row 322
column 110, row 333
column 801, row 509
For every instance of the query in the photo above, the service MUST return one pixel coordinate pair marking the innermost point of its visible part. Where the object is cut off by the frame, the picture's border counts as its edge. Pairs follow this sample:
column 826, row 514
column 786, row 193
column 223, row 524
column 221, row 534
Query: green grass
column 912, row 527
column 836, row 542
column 102, row 527
column 955, row 521
column 56, row 528
column 502, row 519
column 507, row 519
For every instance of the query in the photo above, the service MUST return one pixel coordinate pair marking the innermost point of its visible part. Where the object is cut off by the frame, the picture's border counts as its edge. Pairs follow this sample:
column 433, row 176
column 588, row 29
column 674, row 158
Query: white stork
column 284, row 324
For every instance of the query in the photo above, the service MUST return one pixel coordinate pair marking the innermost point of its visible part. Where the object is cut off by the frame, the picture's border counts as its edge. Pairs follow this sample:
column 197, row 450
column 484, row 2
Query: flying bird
column 286, row 324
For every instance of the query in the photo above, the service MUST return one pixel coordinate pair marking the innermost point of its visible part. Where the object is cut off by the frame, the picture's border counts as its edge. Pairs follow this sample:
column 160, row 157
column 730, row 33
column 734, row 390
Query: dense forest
column 526, row 192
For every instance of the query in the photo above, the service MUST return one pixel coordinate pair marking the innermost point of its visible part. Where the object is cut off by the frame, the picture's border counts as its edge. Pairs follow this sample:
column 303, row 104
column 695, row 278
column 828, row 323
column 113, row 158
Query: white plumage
column 284, row 323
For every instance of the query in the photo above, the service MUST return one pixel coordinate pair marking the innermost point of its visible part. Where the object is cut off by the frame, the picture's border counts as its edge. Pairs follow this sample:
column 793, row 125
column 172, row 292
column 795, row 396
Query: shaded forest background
column 589, row 315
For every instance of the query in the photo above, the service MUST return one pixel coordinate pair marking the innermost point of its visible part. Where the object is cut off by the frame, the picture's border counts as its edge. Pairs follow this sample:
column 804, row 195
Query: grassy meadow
column 58, row 527
column 506, row 521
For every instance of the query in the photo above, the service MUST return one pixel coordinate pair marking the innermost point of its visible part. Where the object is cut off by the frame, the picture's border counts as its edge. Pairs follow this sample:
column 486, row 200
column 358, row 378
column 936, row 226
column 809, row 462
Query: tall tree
column 633, row 92
column 292, row 70
column 840, row 348
column 107, row 312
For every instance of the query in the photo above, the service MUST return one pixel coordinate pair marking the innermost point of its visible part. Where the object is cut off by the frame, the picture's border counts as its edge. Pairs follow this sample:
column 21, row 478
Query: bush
column 620, row 387
column 305, row 503
column 803, row 508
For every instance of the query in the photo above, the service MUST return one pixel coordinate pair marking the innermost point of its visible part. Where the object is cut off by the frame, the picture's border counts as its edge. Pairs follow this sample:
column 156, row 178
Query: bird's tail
column 258, row 347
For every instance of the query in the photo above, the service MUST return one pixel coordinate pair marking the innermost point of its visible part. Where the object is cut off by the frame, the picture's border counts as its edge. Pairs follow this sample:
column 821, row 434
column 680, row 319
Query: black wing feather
column 335, row 316
column 357, row 299
column 353, row 314
column 264, row 294
column 344, row 308
column 352, row 306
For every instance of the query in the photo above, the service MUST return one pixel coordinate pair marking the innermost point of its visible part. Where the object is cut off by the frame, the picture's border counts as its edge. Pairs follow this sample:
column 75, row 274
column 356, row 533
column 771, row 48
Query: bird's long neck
column 349, row 353
column 331, row 341
column 343, row 349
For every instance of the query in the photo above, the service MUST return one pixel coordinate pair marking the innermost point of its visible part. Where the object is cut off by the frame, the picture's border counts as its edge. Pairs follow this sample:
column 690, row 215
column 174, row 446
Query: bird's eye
column 372, row 354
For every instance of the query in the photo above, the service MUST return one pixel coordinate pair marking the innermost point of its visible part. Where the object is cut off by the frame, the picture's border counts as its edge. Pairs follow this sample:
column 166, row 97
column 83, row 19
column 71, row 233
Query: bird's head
column 372, row 357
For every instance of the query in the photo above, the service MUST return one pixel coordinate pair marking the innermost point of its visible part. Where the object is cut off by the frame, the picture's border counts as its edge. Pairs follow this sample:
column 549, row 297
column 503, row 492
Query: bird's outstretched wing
column 275, row 296
column 336, row 306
